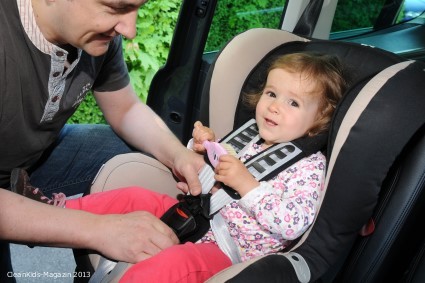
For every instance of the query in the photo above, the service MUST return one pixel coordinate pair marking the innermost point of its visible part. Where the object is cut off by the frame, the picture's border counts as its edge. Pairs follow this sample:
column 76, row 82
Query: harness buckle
column 189, row 218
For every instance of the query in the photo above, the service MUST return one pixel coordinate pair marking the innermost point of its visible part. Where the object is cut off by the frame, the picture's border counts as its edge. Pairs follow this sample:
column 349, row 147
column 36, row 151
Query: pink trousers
column 187, row 262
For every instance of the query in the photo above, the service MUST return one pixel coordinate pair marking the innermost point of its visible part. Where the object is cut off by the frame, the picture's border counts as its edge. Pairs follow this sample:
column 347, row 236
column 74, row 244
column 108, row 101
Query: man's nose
column 127, row 25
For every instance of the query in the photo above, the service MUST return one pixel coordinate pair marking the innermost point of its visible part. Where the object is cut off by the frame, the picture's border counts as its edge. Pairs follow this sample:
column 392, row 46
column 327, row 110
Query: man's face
column 92, row 24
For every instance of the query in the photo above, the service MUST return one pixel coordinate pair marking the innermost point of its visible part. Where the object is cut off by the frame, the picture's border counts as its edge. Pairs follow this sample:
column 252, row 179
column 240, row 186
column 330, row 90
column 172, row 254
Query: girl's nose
column 273, row 107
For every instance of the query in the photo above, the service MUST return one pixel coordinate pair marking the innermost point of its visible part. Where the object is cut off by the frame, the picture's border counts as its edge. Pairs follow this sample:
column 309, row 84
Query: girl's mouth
column 270, row 122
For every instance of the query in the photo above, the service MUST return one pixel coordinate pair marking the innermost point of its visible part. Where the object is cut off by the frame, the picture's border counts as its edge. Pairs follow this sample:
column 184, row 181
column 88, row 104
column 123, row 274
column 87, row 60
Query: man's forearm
column 127, row 237
column 145, row 130
column 27, row 221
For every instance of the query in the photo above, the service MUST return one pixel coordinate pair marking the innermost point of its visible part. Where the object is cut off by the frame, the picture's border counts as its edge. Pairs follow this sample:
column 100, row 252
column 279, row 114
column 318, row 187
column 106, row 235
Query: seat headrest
column 242, row 63
column 361, row 63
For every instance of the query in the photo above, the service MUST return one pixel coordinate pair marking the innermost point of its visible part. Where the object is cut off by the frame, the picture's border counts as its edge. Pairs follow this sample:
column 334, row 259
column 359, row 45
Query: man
column 52, row 52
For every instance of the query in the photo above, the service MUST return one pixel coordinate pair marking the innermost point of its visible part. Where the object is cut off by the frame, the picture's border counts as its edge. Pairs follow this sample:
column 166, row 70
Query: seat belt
column 262, row 166
column 104, row 267
column 184, row 216
column 308, row 20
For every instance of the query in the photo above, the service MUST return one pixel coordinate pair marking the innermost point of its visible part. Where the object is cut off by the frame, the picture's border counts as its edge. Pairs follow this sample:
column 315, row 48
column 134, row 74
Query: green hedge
column 233, row 17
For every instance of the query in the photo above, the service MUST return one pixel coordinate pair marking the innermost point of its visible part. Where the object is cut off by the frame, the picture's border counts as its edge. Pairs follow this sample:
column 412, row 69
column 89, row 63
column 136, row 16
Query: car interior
column 371, row 179
column 368, row 228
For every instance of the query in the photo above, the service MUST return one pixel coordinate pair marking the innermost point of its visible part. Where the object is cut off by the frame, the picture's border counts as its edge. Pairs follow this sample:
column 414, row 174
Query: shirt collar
column 31, row 28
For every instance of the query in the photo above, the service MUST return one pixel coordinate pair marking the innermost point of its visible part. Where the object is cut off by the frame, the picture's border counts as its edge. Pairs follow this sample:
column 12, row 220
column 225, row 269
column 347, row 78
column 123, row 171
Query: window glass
column 410, row 10
column 232, row 17
column 356, row 17
column 359, row 14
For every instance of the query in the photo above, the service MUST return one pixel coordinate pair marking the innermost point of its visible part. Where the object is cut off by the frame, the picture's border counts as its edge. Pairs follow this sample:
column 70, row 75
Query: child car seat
column 375, row 152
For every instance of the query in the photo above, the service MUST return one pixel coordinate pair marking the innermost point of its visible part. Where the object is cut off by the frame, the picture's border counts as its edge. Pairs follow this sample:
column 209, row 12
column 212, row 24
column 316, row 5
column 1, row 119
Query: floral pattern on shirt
column 280, row 210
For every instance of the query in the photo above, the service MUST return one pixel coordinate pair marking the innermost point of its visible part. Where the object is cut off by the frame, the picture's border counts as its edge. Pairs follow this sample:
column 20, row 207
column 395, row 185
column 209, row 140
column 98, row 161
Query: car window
column 353, row 15
column 233, row 17
column 411, row 9
column 361, row 16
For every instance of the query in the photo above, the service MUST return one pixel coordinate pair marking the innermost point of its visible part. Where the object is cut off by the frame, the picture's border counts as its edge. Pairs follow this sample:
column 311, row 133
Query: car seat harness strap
column 200, row 212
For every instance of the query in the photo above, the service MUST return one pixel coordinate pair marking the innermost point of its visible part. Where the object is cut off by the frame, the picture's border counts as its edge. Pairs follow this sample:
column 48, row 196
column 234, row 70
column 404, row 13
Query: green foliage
column 148, row 51
column 233, row 17
column 88, row 112
column 144, row 54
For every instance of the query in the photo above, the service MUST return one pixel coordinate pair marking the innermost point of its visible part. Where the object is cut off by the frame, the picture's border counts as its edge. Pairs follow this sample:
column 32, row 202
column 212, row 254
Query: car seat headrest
column 228, row 72
column 360, row 62
column 242, row 63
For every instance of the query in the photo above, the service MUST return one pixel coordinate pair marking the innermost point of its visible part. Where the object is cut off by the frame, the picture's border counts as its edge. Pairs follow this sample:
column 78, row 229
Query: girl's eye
column 293, row 103
column 270, row 93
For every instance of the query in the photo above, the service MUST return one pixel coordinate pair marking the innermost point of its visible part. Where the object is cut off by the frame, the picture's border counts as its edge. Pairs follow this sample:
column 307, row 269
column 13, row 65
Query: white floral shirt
column 280, row 210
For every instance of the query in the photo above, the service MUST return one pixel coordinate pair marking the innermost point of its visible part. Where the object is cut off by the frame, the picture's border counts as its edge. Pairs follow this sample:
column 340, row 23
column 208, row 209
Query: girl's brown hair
column 328, row 73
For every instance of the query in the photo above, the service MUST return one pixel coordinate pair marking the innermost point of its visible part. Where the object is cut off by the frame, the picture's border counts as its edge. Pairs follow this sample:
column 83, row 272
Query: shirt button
column 55, row 74
column 59, row 53
column 55, row 98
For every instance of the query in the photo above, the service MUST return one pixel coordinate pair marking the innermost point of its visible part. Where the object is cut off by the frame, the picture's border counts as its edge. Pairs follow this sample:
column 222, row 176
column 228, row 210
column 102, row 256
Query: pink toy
column 214, row 151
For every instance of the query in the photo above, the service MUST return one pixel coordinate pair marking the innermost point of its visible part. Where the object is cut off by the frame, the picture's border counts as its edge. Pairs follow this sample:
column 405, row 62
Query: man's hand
column 187, row 165
column 233, row 173
column 132, row 237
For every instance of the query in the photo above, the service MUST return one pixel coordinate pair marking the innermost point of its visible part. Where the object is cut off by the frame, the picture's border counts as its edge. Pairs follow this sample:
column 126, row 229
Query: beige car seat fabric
column 135, row 169
column 132, row 169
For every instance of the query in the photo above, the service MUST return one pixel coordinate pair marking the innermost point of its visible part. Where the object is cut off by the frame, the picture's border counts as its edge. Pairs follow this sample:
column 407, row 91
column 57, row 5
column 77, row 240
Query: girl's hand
column 233, row 173
column 200, row 134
